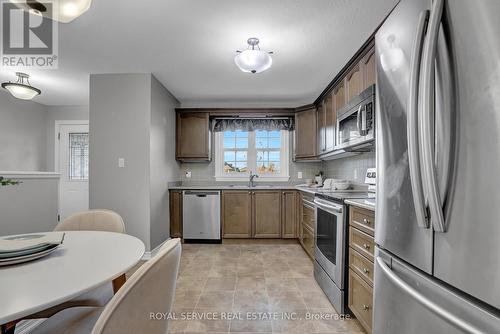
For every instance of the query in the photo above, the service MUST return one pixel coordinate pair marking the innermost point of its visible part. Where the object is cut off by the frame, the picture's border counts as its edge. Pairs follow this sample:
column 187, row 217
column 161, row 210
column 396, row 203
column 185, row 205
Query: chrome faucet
column 250, row 181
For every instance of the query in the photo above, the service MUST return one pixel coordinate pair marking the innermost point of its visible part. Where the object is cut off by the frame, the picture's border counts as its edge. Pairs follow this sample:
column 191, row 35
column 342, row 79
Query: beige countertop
column 368, row 203
column 231, row 187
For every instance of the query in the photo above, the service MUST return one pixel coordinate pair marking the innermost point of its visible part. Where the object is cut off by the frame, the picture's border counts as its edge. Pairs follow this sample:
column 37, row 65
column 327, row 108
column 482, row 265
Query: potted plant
column 8, row 182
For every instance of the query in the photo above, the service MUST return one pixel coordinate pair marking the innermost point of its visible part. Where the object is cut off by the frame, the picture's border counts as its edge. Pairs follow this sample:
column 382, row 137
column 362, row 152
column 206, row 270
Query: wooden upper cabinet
column 354, row 81
column 321, row 119
column 193, row 136
column 330, row 123
column 267, row 214
column 305, row 137
column 289, row 214
column 369, row 69
column 175, row 204
column 339, row 97
column 236, row 214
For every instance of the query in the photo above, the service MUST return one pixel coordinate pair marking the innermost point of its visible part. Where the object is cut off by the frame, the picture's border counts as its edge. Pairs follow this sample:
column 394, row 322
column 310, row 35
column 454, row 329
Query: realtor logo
column 29, row 39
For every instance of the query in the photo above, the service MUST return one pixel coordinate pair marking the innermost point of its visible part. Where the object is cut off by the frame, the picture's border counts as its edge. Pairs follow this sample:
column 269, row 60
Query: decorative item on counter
column 319, row 179
column 339, row 184
column 8, row 182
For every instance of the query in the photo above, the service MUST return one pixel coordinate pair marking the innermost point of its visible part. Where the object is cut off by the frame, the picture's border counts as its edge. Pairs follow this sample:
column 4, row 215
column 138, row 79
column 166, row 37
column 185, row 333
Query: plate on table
column 35, row 249
column 28, row 257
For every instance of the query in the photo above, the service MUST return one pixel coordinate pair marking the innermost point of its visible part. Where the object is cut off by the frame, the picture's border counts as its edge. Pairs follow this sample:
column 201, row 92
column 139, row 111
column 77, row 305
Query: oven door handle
column 328, row 206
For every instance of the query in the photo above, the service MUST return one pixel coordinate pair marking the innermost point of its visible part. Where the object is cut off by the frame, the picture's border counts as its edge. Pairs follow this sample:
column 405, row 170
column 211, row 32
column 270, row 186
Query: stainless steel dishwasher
column 201, row 216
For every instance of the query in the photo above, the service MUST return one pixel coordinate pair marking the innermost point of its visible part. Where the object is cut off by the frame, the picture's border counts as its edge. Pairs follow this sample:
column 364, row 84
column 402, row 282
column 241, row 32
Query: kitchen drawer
column 362, row 242
column 361, row 266
column 307, row 241
column 363, row 220
column 361, row 300
column 308, row 215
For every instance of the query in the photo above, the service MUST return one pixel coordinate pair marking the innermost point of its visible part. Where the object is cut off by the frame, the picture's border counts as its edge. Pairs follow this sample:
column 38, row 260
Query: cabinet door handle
column 366, row 221
column 366, row 246
column 366, row 307
column 366, row 270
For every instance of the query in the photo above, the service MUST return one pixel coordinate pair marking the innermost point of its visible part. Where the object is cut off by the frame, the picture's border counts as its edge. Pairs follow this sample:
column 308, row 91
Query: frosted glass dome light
column 22, row 88
column 63, row 11
column 253, row 59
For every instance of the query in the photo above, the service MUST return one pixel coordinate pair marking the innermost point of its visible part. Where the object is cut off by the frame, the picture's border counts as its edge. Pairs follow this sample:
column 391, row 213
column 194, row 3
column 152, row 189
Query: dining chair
column 149, row 292
column 91, row 220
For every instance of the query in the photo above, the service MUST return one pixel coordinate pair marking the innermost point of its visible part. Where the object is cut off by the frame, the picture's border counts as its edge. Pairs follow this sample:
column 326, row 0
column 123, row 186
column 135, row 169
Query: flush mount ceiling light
column 63, row 11
column 253, row 59
column 22, row 88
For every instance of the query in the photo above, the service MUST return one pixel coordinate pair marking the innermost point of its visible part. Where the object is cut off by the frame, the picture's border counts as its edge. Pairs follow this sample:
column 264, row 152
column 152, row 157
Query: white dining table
column 84, row 261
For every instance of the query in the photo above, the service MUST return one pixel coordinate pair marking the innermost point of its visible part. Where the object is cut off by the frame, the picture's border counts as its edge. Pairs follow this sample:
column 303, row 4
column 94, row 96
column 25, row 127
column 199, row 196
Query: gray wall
column 30, row 206
column 22, row 134
column 60, row 113
column 119, row 122
column 163, row 166
column 132, row 117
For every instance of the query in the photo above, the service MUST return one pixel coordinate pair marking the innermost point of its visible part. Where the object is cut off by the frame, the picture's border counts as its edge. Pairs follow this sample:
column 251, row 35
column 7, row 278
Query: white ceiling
column 189, row 45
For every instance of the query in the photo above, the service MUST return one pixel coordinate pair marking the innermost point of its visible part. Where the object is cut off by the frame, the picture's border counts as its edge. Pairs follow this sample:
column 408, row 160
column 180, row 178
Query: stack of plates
column 27, row 247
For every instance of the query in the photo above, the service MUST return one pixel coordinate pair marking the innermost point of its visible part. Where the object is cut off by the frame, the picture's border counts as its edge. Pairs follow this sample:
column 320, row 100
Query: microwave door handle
column 412, row 124
column 358, row 120
column 424, row 301
column 427, row 120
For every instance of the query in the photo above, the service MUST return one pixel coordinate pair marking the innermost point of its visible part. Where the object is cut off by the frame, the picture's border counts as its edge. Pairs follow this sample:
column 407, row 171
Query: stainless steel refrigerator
column 437, row 267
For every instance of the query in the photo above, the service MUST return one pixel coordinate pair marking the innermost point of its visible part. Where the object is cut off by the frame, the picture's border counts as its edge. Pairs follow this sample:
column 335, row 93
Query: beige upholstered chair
column 150, row 290
column 93, row 220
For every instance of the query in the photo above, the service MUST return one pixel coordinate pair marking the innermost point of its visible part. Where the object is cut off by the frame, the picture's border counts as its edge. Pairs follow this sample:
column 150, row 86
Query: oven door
column 329, row 237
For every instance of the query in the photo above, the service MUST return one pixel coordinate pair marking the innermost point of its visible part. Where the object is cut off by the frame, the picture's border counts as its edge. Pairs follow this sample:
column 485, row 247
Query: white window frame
column 252, row 163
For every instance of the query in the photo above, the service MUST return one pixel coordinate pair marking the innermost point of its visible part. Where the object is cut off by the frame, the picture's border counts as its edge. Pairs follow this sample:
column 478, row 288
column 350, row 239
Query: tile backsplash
column 205, row 172
column 351, row 168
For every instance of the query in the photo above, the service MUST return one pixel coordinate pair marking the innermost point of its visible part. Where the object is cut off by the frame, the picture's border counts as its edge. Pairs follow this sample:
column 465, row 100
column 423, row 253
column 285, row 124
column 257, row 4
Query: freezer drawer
column 409, row 301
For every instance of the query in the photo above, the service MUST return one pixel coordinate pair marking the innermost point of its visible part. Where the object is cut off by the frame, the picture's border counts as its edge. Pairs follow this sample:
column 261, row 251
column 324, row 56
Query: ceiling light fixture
column 63, row 11
column 22, row 88
column 253, row 59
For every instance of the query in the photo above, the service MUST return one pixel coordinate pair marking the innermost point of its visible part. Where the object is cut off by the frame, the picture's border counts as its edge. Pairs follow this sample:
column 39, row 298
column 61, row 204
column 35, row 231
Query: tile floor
column 251, row 288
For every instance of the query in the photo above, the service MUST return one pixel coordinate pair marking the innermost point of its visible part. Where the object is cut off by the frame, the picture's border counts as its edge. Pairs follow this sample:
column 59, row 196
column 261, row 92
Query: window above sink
column 263, row 152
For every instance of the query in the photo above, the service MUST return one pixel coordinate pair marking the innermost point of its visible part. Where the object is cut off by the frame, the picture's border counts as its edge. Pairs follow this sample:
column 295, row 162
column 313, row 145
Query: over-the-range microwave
column 356, row 122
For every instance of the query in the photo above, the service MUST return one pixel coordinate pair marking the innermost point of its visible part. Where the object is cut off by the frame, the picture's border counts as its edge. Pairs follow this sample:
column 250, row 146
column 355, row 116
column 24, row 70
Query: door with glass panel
column 73, row 165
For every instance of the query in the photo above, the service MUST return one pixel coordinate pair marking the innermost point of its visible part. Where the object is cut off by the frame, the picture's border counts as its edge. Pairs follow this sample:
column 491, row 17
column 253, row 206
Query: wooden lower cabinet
column 236, row 214
column 259, row 214
column 307, row 223
column 267, row 214
column 175, row 213
column 361, row 300
column 289, row 214
column 307, row 240
column 361, row 251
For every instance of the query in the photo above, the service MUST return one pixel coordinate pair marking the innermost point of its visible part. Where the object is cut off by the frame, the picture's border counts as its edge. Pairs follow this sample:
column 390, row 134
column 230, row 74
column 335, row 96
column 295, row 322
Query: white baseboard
column 148, row 255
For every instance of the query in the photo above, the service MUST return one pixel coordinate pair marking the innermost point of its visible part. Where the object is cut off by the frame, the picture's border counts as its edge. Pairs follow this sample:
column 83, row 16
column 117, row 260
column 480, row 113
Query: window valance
column 252, row 124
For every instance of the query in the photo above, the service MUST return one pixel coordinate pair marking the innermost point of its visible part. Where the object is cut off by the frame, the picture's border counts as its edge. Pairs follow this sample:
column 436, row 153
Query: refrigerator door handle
column 426, row 121
column 424, row 301
column 412, row 124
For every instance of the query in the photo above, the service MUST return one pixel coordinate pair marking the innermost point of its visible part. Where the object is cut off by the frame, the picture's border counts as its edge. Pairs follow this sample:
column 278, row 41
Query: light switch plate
column 121, row 162
column 299, row 175
column 188, row 174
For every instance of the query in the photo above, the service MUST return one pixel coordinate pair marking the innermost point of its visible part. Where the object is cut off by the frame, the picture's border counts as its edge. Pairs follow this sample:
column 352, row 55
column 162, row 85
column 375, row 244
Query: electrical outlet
column 121, row 163
column 188, row 174
column 299, row 175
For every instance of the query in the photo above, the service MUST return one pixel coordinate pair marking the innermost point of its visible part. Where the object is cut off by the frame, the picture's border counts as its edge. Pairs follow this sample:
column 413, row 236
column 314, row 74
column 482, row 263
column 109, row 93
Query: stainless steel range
column 330, row 243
